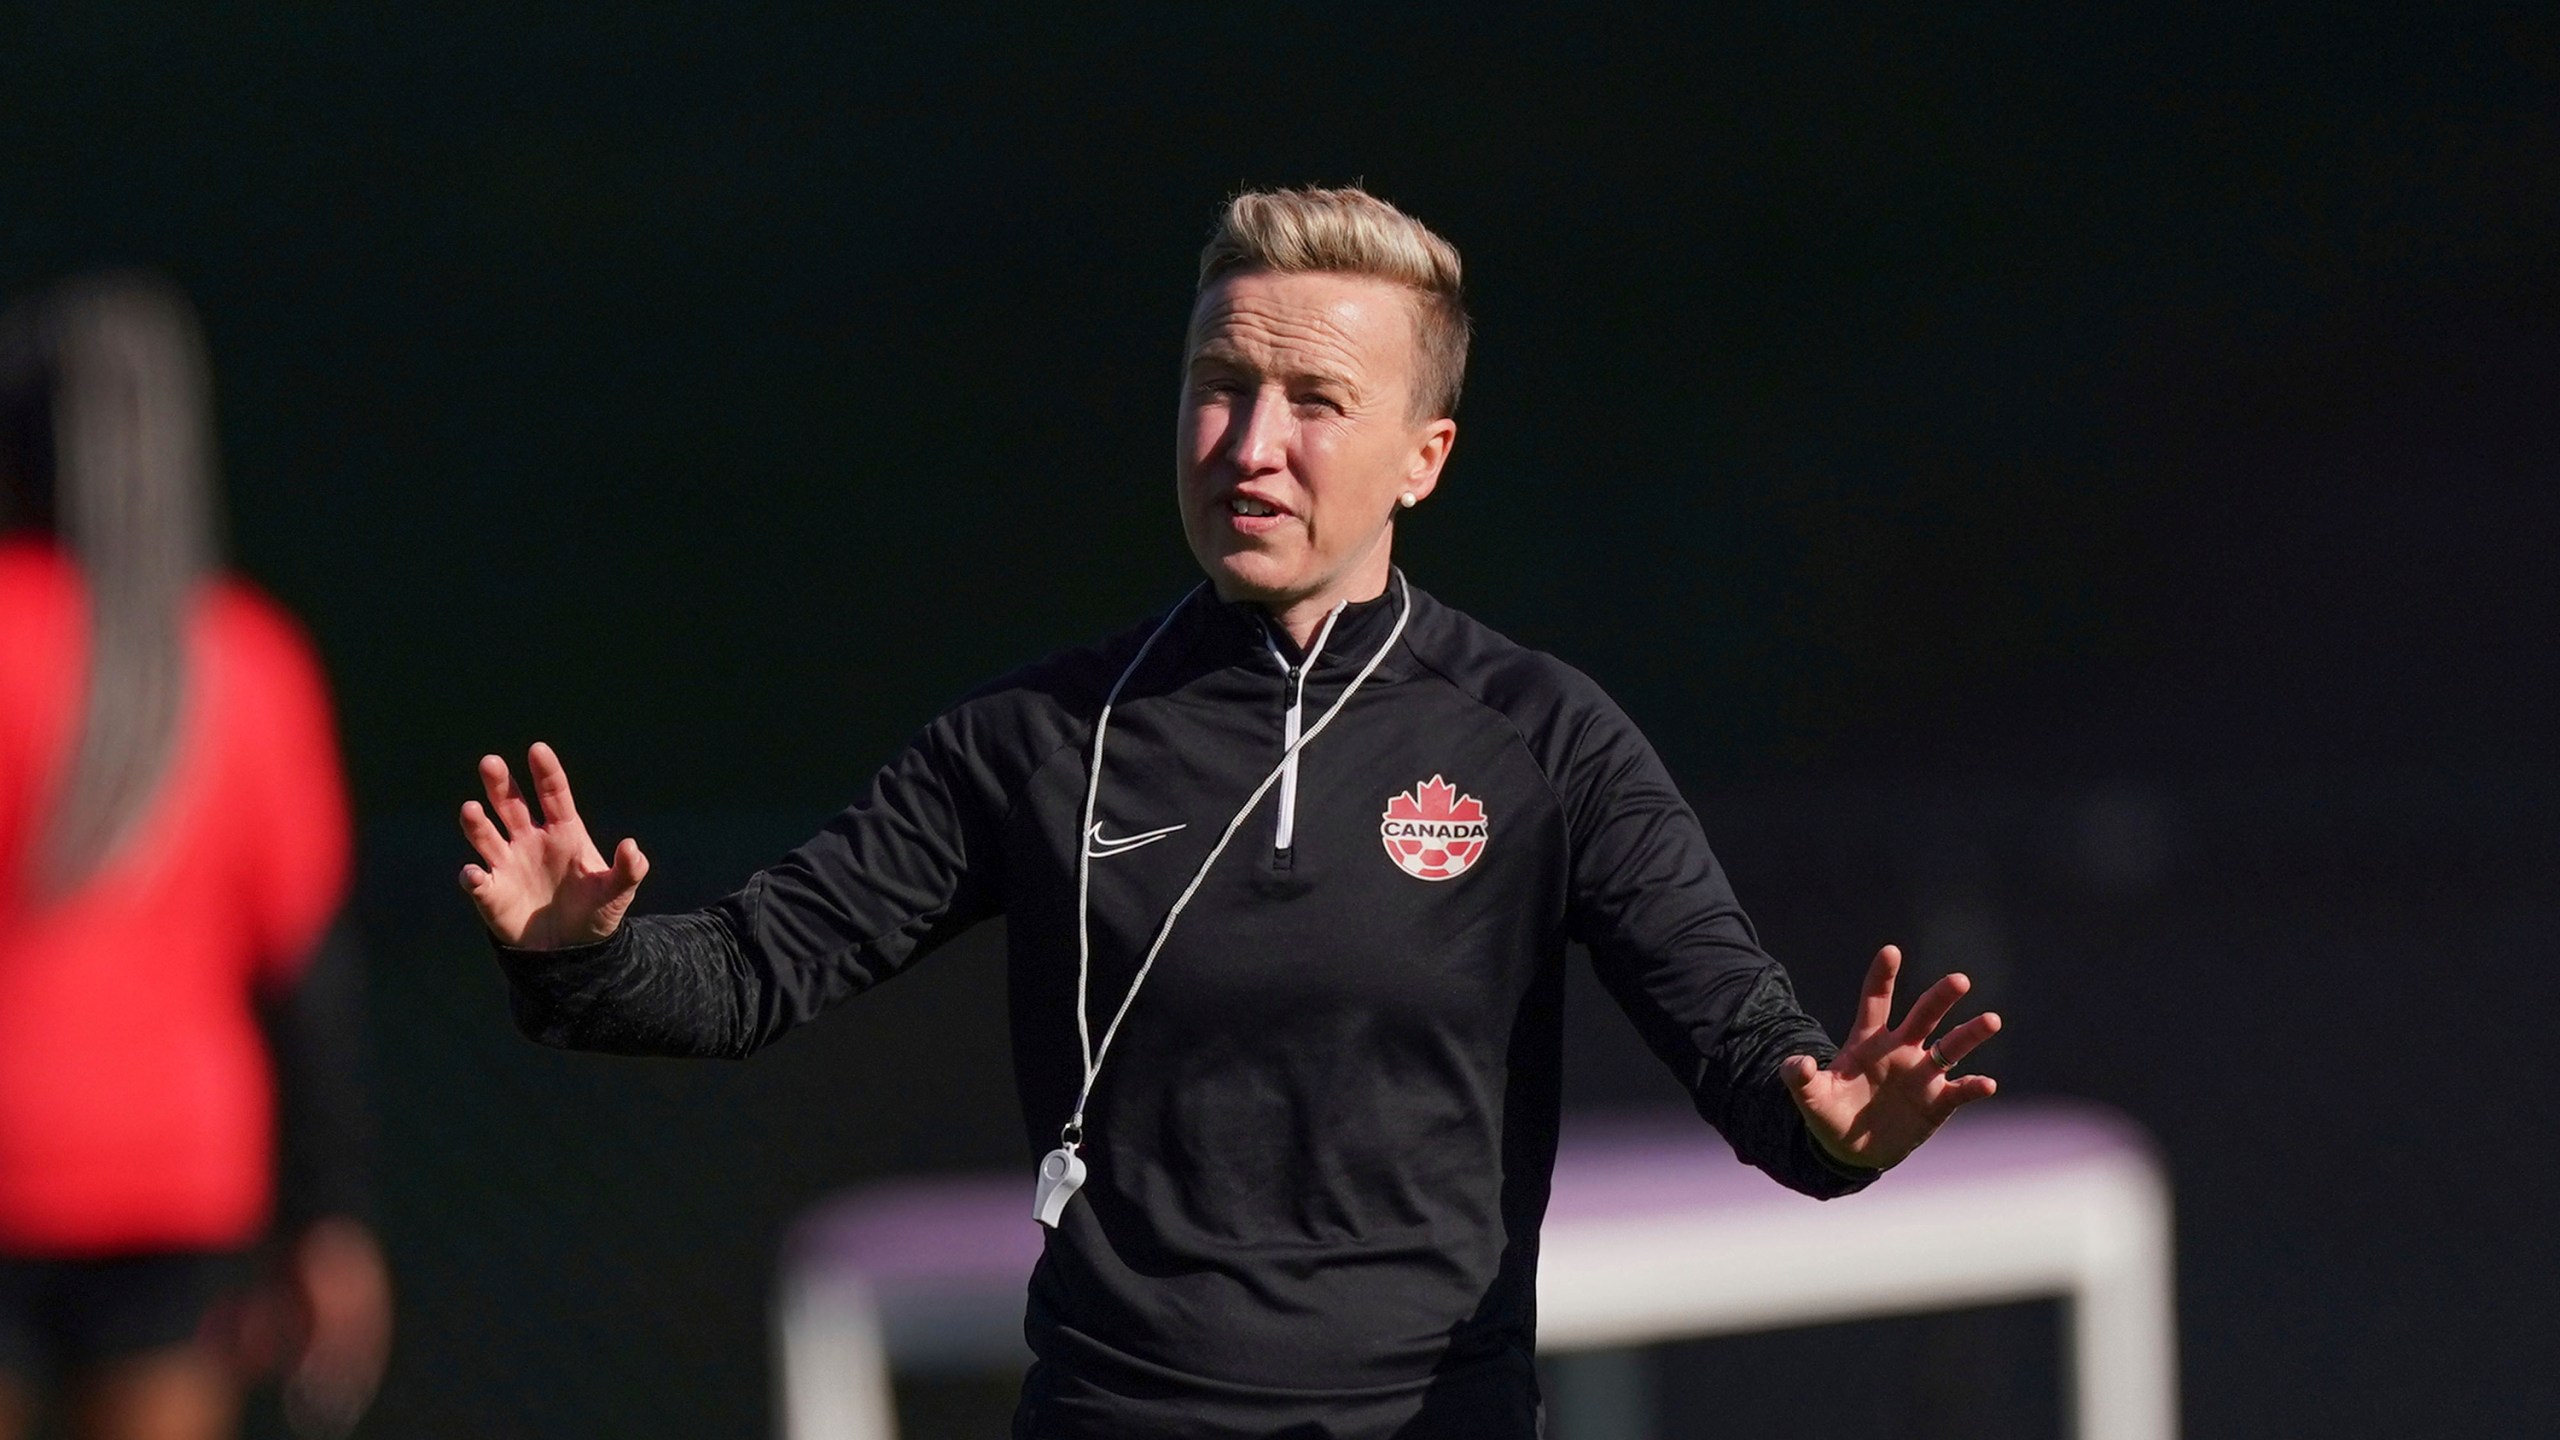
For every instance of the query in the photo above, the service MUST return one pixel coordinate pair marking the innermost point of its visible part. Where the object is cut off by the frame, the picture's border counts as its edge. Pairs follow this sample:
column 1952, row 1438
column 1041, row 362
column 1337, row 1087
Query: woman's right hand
column 544, row 885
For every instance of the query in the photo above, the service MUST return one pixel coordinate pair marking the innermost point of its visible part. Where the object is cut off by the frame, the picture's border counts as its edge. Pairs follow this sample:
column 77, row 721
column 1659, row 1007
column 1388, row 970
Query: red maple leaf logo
column 1432, row 832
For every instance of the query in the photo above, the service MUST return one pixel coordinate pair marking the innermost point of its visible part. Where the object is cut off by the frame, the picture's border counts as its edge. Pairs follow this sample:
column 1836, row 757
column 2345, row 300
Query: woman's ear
column 1430, row 453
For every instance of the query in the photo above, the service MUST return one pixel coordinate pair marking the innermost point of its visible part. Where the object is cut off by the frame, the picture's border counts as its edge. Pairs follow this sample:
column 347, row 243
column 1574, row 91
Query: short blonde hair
column 1352, row 232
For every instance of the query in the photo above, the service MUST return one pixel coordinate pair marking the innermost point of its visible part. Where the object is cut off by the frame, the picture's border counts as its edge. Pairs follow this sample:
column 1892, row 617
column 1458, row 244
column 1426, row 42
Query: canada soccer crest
column 1432, row 832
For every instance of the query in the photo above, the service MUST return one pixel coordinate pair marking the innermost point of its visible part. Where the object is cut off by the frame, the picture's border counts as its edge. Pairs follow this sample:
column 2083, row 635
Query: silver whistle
column 1061, row 1175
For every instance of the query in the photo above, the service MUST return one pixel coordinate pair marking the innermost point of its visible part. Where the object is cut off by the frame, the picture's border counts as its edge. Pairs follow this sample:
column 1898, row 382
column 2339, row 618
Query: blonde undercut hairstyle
column 1352, row 232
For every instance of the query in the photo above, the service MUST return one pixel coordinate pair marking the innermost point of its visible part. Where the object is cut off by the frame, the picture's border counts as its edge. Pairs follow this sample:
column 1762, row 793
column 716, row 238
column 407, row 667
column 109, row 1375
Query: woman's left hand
column 1889, row 1088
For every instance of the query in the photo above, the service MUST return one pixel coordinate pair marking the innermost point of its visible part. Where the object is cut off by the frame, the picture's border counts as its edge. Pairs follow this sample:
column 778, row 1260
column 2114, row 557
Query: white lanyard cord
column 1073, row 1135
column 1084, row 832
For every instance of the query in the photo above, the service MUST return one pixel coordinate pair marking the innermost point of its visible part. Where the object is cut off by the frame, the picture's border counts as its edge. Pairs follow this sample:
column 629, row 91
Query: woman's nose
column 1259, row 441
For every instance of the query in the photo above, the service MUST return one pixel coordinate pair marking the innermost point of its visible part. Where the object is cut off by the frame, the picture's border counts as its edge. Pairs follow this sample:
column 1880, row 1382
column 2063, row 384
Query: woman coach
column 1290, row 870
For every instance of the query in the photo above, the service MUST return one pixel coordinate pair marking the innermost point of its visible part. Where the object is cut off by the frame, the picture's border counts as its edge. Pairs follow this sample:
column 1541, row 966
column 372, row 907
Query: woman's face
column 1296, row 438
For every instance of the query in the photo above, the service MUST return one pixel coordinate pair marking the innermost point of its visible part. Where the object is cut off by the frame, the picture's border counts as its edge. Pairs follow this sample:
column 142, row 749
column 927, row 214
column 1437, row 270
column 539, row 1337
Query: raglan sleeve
column 1672, row 946
column 913, row 862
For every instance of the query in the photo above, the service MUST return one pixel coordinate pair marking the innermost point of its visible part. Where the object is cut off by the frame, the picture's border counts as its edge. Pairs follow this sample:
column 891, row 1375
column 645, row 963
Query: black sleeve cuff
column 1854, row 1178
column 663, row 985
column 530, row 964
column 546, row 989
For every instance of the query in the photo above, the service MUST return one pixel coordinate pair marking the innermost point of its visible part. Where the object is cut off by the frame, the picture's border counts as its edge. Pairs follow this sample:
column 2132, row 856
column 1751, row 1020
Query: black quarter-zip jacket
column 1320, row 1148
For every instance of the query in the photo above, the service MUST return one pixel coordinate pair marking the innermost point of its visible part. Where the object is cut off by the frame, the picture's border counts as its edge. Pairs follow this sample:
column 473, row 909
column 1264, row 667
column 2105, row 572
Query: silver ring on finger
column 1939, row 1058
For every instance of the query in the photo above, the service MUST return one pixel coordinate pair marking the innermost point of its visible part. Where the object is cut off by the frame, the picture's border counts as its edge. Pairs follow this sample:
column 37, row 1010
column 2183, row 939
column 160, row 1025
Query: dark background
column 2072, row 494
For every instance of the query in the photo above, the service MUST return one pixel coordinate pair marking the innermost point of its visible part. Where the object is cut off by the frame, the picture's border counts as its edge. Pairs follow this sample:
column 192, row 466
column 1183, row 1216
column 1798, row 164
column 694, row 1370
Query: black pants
column 60, row 1315
column 1491, row 1401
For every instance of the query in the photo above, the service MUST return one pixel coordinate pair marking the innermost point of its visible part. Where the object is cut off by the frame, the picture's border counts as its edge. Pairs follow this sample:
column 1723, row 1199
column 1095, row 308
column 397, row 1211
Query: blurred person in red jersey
column 178, row 1018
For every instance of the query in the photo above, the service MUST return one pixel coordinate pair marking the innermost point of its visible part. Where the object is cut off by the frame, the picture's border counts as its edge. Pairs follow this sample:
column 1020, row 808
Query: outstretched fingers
column 1960, row 1091
column 551, row 783
column 630, row 867
column 1961, row 1041
column 506, row 802
column 1953, row 1092
column 1931, row 1009
column 486, row 841
column 1875, row 998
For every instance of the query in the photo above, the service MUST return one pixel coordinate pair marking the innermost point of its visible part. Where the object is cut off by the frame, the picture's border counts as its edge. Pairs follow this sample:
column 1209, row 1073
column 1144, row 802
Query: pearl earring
column 1407, row 501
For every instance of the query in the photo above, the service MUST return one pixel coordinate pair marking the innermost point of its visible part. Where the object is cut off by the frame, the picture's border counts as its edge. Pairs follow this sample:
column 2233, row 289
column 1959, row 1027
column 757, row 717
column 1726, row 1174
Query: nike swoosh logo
column 1102, row 847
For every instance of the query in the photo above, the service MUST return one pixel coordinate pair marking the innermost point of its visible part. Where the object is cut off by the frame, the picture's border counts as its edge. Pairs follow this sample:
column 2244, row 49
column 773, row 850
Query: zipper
column 1292, row 721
